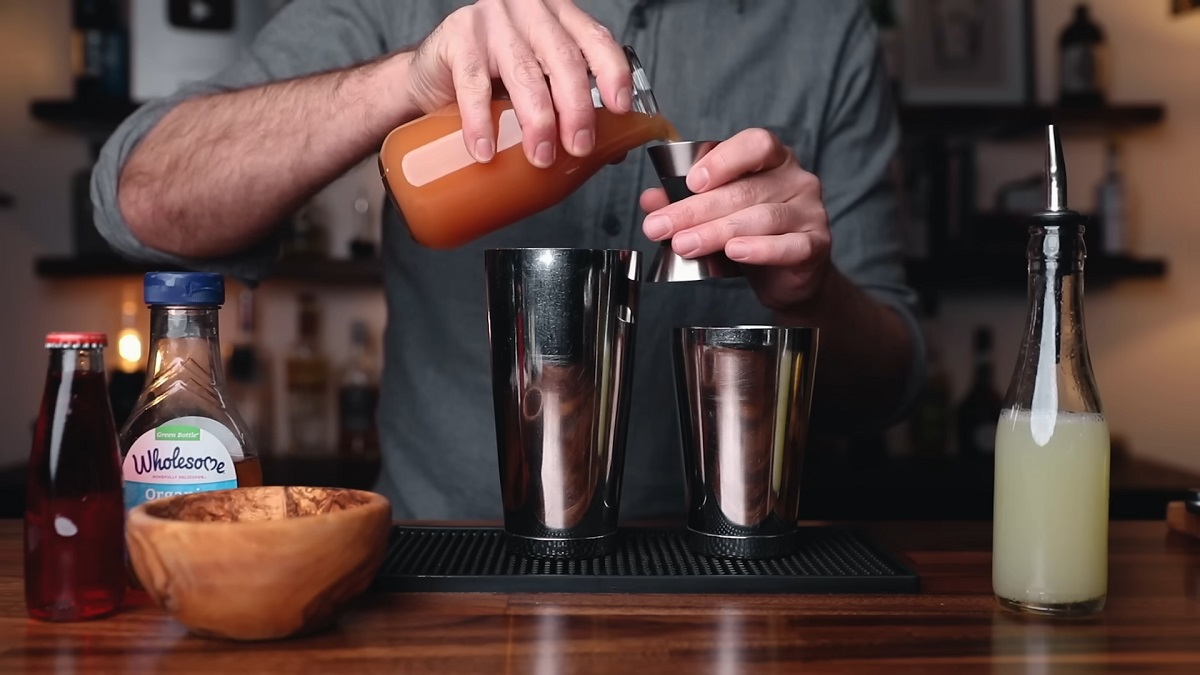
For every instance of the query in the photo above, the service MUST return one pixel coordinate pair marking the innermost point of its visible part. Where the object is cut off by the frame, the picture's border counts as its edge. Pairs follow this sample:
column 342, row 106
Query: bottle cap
column 76, row 340
column 184, row 288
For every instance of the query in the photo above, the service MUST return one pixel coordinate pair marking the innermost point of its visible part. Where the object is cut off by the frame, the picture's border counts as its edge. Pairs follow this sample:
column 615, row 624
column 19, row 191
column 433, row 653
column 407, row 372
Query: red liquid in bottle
column 74, row 513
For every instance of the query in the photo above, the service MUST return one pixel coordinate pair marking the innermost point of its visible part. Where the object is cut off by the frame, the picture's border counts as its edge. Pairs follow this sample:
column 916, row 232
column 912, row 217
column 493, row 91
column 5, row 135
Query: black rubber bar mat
column 460, row 559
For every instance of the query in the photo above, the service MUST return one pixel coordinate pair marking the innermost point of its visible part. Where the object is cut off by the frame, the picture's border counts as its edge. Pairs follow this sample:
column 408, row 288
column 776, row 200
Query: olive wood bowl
column 258, row 563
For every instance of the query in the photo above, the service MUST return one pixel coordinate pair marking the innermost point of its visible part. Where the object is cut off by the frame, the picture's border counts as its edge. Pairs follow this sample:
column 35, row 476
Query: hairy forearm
column 863, row 356
column 218, row 172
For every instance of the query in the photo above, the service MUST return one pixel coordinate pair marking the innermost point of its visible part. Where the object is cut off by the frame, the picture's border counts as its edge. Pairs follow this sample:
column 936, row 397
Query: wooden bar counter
column 1151, row 625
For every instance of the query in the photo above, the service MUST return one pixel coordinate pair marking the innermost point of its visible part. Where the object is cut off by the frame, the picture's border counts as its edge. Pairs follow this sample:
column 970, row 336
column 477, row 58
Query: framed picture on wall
column 966, row 51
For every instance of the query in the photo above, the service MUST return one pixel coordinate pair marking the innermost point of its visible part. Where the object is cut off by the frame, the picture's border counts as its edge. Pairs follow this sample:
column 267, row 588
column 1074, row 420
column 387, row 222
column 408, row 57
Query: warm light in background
column 129, row 348
column 129, row 340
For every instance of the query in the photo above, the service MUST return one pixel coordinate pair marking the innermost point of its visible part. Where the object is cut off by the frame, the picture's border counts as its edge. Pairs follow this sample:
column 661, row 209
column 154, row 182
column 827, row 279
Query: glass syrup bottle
column 1050, row 525
column 184, row 434
column 74, row 520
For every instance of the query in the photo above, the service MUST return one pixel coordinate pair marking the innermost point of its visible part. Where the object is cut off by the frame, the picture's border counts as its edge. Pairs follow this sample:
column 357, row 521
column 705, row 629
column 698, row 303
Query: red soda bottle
column 74, row 509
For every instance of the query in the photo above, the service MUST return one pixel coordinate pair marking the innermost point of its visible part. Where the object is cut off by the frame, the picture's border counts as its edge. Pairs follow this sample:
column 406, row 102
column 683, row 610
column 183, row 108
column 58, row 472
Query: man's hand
column 541, row 50
column 755, row 203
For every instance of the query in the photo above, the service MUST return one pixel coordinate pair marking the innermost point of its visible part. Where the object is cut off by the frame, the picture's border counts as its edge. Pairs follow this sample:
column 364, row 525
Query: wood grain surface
column 1151, row 625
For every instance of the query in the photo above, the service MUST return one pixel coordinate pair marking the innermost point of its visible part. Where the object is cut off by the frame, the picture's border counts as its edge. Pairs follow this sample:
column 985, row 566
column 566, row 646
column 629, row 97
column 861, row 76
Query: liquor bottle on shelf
column 1082, row 61
column 308, row 238
column 980, row 408
column 250, row 375
column 100, row 53
column 308, row 383
column 363, row 246
column 358, row 397
column 930, row 420
column 1110, row 204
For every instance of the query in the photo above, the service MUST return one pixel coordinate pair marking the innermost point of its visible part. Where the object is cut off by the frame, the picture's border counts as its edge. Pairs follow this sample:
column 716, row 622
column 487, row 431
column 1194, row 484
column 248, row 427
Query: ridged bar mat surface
column 460, row 559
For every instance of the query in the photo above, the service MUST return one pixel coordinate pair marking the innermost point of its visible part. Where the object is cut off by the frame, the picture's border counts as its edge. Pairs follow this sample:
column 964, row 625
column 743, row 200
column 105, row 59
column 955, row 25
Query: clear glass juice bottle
column 1050, row 525
column 74, row 521
column 449, row 199
column 184, row 434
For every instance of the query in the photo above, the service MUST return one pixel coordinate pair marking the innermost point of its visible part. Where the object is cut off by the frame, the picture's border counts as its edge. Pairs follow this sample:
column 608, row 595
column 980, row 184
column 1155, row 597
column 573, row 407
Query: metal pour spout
column 1056, row 172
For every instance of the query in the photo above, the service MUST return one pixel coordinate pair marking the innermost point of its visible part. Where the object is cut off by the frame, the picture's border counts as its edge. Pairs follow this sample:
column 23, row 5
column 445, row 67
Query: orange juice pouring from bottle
column 449, row 199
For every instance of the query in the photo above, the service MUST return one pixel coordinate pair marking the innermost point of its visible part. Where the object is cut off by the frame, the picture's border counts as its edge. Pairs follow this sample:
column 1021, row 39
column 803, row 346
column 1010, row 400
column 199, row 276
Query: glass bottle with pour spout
column 1050, row 526
column 449, row 199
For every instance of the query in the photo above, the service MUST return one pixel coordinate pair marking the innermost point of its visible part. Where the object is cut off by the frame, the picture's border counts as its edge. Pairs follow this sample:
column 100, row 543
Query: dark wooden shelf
column 976, row 272
column 991, row 256
column 1000, row 120
column 98, row 115
column 1024, row 120
column 960, row 272
column 367, row 273
column 331, row 272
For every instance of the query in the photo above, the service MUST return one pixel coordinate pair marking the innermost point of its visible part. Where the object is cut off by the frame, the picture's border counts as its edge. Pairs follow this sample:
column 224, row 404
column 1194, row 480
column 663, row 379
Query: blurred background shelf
column 1025, row 120
column 97, row 115
column 332, row 272
column 1007, row 272
column 961, row 272
column 1001, row 120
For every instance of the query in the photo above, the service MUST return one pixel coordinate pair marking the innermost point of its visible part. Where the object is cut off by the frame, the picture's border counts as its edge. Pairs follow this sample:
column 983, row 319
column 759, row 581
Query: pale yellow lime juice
column 1050, row 529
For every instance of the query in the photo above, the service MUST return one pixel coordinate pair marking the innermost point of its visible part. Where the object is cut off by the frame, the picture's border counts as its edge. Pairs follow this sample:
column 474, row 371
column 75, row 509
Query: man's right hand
column 542, row 51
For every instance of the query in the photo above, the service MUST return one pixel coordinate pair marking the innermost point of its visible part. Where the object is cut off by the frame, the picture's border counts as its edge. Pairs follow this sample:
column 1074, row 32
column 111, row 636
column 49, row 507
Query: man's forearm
column 863, row 357
column 218, row 172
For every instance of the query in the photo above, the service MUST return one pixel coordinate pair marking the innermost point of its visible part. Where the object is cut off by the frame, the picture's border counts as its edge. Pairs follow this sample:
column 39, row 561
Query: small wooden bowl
column 258, row 563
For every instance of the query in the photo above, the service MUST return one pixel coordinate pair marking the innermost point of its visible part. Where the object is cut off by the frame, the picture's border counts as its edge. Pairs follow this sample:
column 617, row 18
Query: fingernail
column 583, row 141
column 686, row 244
column 657, row 227
column 624, row 100
column 483, row 150
column 543, row 157
column 737, row 250
column 697, row 180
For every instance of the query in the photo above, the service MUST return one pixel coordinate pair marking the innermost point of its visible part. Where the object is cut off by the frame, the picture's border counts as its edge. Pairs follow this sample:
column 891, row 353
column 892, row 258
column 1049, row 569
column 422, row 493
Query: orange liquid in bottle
column 449, row 199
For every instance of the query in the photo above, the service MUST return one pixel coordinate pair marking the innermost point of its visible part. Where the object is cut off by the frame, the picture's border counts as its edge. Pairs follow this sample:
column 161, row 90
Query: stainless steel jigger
column 672, row 161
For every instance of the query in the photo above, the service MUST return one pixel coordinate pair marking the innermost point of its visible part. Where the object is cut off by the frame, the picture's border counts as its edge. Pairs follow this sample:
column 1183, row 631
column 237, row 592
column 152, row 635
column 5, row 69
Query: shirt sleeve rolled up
column 304, row 38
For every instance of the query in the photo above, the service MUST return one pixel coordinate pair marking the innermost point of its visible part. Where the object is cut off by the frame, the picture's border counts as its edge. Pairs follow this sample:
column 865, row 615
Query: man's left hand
column 754, row 202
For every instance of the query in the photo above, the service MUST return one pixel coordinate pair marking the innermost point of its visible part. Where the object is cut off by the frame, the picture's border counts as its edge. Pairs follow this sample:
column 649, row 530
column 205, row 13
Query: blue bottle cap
column 184, row 288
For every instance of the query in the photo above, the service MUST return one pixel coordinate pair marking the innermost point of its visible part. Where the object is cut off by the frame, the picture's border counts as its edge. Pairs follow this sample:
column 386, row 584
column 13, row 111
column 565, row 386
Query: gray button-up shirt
column 809, row 70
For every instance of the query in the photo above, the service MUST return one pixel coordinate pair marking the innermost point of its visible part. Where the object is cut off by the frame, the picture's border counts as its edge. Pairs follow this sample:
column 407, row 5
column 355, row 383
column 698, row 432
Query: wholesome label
column 175, row 459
